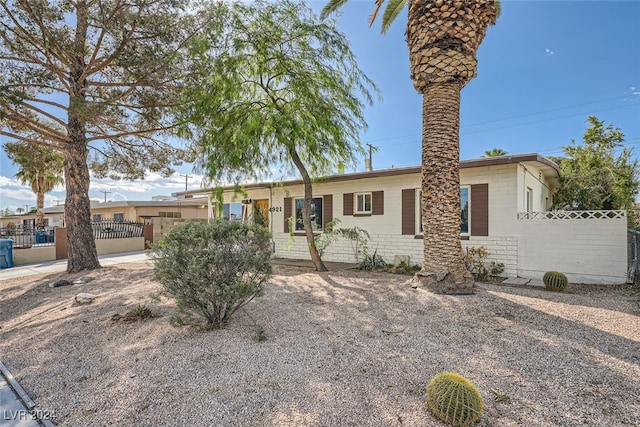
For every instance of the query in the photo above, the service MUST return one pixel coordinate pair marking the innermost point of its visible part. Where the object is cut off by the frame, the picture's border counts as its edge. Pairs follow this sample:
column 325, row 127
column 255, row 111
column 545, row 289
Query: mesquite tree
column 278, row 88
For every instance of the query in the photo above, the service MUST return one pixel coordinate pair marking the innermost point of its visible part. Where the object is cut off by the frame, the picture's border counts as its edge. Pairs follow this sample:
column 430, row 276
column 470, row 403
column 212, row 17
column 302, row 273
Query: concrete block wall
column 502, row 249
column 387, row 246
column 586, row 250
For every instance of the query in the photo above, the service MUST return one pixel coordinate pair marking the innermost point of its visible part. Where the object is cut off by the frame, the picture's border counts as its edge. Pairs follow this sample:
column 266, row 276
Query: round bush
column 212, row 269
column 454, row 399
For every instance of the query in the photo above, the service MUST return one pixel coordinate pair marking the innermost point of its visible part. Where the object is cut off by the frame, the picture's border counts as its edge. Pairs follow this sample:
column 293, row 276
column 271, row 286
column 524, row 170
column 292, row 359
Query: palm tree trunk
column 39, row 213
column 443, row 268
column 306, row 211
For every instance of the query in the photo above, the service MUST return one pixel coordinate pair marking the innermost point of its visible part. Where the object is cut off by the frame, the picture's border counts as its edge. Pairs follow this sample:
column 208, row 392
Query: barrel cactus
column 555, row 281
column 454, row 399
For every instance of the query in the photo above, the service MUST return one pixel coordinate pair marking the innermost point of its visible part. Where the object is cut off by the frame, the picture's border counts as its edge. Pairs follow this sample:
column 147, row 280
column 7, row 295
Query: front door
column 261, row 212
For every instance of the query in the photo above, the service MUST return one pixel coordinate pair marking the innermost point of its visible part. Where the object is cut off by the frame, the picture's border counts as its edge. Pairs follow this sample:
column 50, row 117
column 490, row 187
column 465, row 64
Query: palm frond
column 331, row 7
column 391, row 13
column 374, row 15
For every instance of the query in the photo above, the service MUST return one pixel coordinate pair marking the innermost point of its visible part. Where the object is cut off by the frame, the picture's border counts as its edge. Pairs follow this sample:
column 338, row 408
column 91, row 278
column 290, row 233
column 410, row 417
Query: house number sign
column 275, row 209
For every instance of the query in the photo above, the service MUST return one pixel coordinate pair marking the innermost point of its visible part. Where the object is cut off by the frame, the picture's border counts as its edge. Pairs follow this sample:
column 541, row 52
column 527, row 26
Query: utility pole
column 105, row 194
column 186, row 181
column 371, row 148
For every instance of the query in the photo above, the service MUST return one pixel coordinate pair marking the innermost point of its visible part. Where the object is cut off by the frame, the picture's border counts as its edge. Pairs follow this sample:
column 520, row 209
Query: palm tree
column 40, row 167
column 495, row 152
column 443, row 37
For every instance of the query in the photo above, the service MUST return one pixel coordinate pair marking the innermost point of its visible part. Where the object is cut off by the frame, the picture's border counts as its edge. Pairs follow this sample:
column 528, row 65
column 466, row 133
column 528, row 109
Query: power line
column 544, row 112
column 542, row 121
column 414, row 135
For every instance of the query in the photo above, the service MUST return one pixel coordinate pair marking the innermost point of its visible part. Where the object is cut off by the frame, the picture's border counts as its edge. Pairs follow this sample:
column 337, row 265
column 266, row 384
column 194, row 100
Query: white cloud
column 12, row 189
column 632, row 88
column 152, row 182
column 548, row 52
column 14, row 195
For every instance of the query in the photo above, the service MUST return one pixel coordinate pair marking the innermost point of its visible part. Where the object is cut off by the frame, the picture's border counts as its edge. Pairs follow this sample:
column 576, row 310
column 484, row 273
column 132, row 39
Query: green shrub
column 555, row 281
column 372, row 262
column 496, row 269
column 454, row 399
column 212, row 269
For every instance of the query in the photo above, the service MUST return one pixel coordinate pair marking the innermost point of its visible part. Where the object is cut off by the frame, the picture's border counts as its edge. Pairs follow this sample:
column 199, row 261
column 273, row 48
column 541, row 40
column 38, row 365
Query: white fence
column 572, row 215
column 588, row 246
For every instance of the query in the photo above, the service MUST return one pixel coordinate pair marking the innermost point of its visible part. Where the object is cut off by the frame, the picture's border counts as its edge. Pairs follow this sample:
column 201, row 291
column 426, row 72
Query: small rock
column 82, row 280
column 60, row 282
column 85, row 298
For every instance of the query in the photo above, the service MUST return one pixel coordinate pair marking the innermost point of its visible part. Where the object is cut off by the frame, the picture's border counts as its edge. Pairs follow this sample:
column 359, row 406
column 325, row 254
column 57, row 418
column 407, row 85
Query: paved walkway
column 61, row 265
column 16, row 407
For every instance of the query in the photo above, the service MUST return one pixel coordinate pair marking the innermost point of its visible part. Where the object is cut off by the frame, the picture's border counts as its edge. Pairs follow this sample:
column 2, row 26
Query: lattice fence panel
column 572, row 215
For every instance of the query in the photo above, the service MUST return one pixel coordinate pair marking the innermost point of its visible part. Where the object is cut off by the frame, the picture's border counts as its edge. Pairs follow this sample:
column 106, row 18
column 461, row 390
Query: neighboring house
column 53, row 217
column 121, row 211
column 139, row 211
column 505, row 208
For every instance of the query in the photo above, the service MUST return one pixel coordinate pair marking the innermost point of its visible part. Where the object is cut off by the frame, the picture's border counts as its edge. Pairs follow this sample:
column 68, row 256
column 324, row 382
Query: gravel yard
column 343, row 348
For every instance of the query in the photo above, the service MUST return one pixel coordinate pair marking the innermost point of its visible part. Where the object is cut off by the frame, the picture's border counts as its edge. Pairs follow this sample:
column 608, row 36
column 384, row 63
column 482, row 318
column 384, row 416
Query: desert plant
column 212, row 269
column 358, row 237
column 496, row 269
column 404, row 268
column 475, row 260
column 454, row 399
column 327, row 237
column 260, row 334
column 555, row 281
column 372, row 262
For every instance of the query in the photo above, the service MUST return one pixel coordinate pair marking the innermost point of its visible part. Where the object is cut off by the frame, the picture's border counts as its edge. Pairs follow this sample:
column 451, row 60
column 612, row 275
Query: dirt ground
column 322, row 349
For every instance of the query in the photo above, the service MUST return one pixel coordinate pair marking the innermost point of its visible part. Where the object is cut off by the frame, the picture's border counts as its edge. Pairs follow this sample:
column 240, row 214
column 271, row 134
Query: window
column 97, row 217
column 169, row 214
column 316, row 214
column 529, row 200
column 118, row 217
column 464, row 214
column 363, row 203
column 419, row 212
column 232, row 211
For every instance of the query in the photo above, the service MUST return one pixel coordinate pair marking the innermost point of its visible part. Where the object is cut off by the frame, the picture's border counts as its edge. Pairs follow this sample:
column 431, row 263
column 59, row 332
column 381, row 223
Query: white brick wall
column 502, row 249
column 387, row 246
column 586, row 250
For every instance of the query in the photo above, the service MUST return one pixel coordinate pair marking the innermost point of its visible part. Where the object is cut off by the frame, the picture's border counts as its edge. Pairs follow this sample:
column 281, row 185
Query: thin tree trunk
column 82, row 253
column 443, row 268
column 306, row 211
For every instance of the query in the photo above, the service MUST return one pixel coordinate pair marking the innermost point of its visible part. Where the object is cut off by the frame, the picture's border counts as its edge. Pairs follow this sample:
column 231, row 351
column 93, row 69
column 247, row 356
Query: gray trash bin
column 6, row 253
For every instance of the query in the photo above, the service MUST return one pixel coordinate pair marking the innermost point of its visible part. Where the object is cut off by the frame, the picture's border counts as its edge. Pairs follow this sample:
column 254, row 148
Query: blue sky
column 543, row 69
